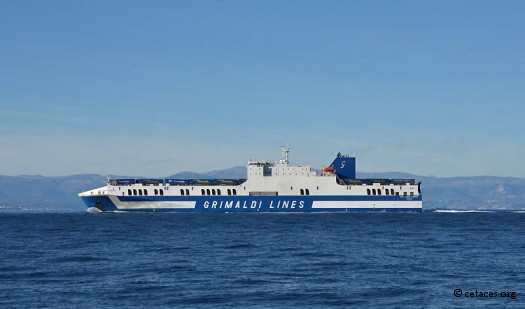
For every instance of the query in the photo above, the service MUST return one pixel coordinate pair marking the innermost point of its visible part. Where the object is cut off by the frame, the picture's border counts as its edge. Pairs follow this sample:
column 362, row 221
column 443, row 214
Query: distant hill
column 230, row 173
column 480, row 192
column 38, row 193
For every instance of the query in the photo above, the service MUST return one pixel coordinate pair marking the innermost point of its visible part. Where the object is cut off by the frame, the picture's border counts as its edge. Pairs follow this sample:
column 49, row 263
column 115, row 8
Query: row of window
column 387, row 192
column 144, row 192
column 378, row 192
column 182, row 192
column 234, row 192
column 217, row 192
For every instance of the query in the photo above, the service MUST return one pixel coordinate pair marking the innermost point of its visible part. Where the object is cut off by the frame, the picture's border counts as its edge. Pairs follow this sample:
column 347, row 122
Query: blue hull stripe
column 256, row 203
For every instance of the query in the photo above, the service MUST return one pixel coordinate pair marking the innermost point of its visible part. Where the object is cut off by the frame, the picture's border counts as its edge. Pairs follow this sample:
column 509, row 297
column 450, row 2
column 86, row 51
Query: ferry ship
column 268, row 187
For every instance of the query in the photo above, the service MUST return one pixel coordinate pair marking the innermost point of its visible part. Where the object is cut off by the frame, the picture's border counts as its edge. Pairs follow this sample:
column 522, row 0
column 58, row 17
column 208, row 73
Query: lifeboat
column 329, row 169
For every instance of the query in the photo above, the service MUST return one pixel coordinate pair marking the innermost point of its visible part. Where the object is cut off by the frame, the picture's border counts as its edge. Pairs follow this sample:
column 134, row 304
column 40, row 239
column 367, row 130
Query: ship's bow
column 97, row 200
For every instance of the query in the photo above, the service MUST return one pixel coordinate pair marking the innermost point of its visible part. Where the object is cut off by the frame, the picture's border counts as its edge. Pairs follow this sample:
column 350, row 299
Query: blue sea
column 362, row 260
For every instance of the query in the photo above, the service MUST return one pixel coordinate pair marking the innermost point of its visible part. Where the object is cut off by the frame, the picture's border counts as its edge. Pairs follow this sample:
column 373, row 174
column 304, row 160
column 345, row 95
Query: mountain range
column 39, row 193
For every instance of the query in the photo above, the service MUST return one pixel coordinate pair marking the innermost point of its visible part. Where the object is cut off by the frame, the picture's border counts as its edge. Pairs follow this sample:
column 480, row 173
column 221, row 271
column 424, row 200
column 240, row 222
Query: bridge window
column 411, row 193
column 181, row 191
column 234, row 192
column 229, row 192
column 374, row 191
column 213, row 191
column 392, row 191
column 134, row 191
column 218, row 191
column 307, row 191
column 302, row 192
column 203, row 192
column 161, row 192
column 368, row 191
column 187, row 191
column 129, row 191
column 378, row 191
column 208, row 192
column 387, row 192
column 140, row 191
column 145, row 191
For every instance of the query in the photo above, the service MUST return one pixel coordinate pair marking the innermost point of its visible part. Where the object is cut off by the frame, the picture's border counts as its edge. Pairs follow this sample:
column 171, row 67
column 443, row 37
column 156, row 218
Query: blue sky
column 434, row 88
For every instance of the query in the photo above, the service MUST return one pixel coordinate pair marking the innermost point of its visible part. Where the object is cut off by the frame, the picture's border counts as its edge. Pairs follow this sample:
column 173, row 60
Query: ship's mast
column 285, row 152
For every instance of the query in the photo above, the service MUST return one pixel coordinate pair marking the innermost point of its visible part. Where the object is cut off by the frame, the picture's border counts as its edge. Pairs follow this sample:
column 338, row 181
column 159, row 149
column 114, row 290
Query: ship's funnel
column 344, row 166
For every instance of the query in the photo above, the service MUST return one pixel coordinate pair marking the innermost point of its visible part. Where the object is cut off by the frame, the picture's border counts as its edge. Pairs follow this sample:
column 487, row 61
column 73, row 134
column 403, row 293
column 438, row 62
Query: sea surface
column 362, row 260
